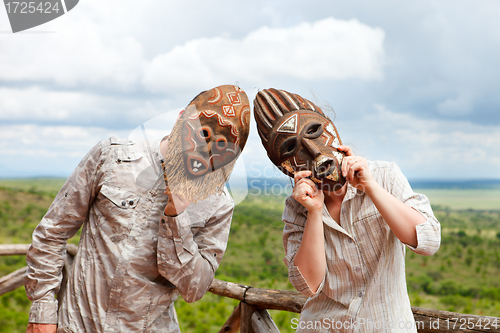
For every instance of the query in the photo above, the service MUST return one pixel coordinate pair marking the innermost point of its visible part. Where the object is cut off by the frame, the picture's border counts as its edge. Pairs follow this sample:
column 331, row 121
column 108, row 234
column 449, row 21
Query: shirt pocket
column 372, row 235
column 116, row 207
column 121, row 198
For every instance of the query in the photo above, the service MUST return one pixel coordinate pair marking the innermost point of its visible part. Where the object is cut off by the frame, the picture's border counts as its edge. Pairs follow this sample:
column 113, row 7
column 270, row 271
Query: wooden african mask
column 298, row 136
column 215, row 129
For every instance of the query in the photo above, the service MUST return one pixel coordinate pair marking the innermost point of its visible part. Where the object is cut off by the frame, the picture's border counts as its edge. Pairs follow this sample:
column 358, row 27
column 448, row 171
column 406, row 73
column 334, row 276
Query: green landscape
column 461, row 277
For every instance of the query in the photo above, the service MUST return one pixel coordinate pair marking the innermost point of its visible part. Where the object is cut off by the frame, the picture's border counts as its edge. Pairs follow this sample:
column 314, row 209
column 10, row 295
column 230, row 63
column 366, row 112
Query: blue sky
column 411, row 82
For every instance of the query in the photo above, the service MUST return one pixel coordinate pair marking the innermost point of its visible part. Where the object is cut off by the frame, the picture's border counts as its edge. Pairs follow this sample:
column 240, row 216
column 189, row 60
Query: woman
column 347, row 222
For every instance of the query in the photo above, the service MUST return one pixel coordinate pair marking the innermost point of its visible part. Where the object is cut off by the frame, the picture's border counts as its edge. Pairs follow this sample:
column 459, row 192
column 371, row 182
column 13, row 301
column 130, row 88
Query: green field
column 460, row 199
column 462, row 276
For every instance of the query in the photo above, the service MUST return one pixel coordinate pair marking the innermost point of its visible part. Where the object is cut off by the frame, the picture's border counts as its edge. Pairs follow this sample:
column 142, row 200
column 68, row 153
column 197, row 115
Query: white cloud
column 426, row 148
column 36, row 105
column 459, row 106
column 78, row 53
column 44, row 142
column 326, row 49
column 87, row 50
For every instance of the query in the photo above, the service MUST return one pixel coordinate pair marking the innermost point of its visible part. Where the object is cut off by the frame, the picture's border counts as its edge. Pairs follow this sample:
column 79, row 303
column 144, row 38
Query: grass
column 33, row 185
column 461, row 199
column 462, row 276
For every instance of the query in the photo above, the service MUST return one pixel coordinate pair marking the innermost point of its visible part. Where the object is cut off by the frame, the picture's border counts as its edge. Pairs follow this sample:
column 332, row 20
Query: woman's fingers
column 346, row 149
column 301, row 174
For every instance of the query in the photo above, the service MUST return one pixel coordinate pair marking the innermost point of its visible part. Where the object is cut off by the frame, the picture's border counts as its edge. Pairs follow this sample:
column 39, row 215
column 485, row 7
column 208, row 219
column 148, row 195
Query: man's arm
column 45, row 257
column 189, row 261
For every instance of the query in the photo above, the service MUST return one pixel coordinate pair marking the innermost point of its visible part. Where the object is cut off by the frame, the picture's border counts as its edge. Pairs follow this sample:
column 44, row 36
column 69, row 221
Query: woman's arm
column 401, row 218
column 310, row 257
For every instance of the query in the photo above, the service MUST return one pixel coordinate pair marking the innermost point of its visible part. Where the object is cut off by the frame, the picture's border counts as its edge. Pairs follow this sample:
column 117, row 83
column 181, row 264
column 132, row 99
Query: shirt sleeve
column 295, row 219
column 188, row 260
column 429, row 232
column 45, row 257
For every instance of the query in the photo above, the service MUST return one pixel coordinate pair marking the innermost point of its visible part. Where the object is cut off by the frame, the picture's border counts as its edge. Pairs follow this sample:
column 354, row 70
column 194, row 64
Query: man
column 347, row 223
column 140, row 248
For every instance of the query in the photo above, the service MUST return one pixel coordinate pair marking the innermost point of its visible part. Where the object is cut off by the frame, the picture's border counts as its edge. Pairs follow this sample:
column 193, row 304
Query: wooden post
column 246, row 318
column 263, row 323
column 232, row 324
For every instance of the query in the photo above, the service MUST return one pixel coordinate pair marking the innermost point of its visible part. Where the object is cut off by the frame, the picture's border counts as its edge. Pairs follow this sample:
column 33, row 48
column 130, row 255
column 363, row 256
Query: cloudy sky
column 415, row 82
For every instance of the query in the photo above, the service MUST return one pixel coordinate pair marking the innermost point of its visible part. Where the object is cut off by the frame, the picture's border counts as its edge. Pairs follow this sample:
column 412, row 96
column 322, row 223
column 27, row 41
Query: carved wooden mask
column 215, row 129
column 298, row 136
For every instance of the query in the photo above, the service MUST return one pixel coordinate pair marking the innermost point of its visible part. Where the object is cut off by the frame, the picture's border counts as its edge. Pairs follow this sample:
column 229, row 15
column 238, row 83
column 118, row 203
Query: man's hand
column 355, row 170
column 41, row 328
column 175, row 204
column 306, row 192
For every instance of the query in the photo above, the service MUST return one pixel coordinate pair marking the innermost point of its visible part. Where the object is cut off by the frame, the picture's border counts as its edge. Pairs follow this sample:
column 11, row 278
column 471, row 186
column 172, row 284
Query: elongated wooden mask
column 215, row 129
column 297, row 136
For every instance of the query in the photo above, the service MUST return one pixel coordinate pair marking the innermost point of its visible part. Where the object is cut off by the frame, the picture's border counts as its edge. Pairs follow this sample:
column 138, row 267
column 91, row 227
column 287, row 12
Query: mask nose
column 311, row 147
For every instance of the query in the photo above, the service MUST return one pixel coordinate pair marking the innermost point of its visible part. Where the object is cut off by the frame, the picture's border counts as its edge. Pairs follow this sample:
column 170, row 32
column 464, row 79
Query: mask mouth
column 197, row 165
column 324, row 166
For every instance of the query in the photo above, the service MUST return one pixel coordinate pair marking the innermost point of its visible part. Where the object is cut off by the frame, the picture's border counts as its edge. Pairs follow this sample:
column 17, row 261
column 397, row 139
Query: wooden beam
column 435, row 321
column 232, row 324
column 22, row 249
column 12, row 281
column 13, row 249
column 284, row 300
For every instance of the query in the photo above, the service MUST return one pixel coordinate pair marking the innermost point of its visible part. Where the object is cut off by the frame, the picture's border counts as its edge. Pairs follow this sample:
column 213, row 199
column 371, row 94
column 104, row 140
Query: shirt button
column 360, row 294
column 350, row 240
column 130, row 202
column 343, row 211
column 357, row 269
column 124, row 203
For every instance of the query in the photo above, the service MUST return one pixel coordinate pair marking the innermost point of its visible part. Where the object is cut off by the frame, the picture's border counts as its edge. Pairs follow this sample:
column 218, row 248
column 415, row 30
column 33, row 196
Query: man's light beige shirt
column 132, row 263
column 364, row 289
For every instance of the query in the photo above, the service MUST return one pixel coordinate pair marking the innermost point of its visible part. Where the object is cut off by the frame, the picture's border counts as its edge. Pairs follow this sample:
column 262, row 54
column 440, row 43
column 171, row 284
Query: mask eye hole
column 204, row 133
column 314, row 130
column 221, row 144
column 289, row 146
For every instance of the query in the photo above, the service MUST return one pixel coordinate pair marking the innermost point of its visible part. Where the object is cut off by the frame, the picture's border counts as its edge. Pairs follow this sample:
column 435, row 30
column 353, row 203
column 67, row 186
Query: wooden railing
column 251, row 315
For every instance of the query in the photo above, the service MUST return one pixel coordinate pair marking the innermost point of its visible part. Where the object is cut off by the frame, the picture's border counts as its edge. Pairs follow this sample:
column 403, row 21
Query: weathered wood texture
column 13, row 249
column 15, row 279
column 263, row 323
column 434, row 321
column 427, row 320
column 21, row 249
column 12, row 281
column 255, row 299
column 284, row 300
column 246, row 312
column 232, row 324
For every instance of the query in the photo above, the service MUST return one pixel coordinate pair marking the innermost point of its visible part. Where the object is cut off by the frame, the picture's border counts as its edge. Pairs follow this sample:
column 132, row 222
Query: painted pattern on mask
column 211, row 133
column 298, row 136
column 290, row 125
column 308, row 134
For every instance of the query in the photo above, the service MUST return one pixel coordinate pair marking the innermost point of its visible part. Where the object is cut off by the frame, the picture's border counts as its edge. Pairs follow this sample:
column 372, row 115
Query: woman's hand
column 175, row 204
column 355, row 170
column 306, row 192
